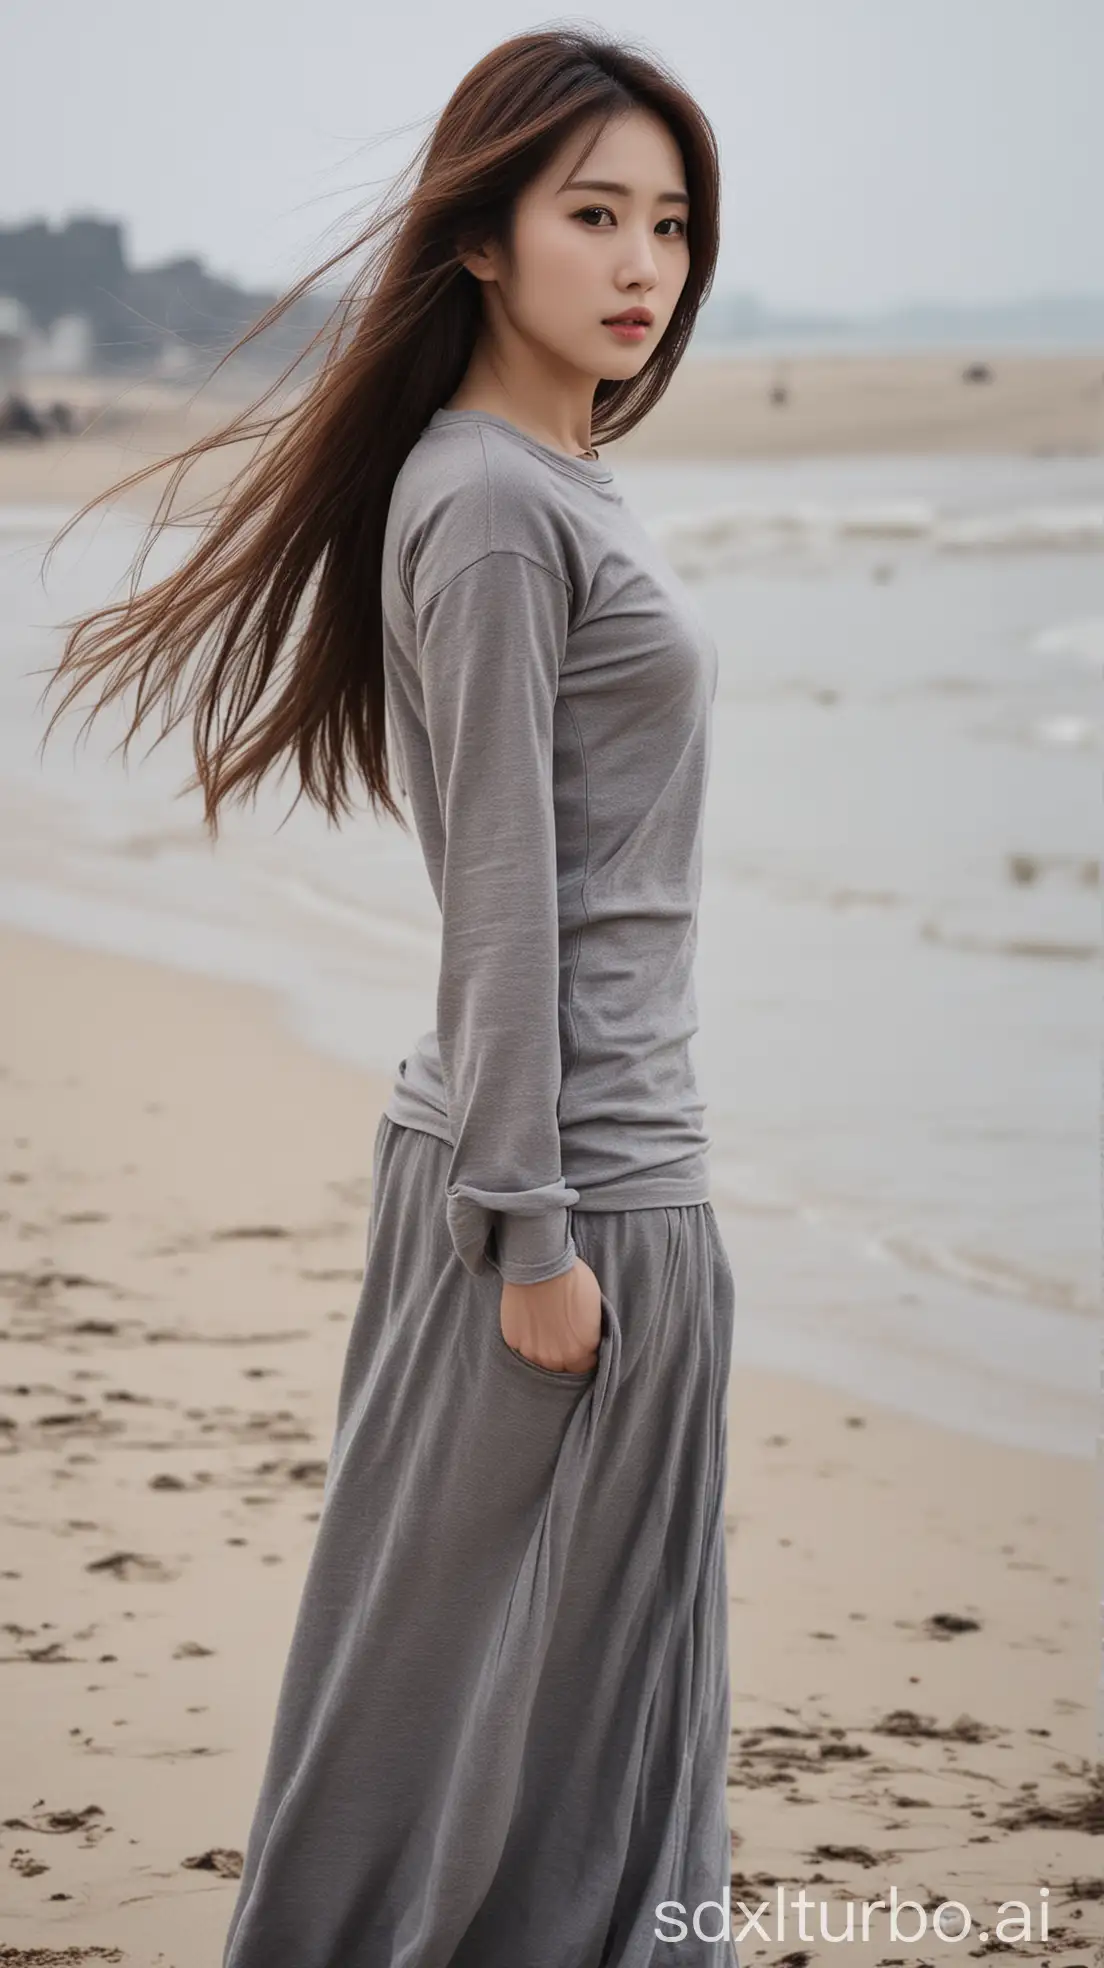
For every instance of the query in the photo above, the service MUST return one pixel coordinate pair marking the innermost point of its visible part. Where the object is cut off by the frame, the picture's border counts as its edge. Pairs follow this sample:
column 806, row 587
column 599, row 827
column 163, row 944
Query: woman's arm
column 490, row 642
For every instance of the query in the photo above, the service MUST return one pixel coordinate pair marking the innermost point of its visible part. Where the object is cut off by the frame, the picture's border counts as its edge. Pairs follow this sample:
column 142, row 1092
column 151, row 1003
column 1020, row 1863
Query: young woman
column 502, row 1733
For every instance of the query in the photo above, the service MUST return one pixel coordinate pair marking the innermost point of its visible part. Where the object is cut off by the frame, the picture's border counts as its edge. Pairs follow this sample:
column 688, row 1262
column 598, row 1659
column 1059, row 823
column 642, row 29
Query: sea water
column 898, row 975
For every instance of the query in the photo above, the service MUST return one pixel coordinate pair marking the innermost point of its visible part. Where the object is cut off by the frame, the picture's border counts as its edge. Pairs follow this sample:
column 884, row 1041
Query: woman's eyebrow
column 622, row 191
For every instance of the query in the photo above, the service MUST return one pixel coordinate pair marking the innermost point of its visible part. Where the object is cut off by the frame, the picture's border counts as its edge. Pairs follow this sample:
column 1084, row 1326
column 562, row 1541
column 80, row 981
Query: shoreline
column 109, row 899
column 186, row 1199
column 719, row 406
column 66, row 924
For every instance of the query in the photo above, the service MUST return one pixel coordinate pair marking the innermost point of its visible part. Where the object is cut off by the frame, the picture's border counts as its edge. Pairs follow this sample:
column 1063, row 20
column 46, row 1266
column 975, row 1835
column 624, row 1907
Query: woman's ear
column 480, row 261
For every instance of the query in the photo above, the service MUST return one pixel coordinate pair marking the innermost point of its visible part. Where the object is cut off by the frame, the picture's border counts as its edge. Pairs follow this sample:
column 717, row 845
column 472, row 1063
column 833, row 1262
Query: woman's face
column 592, row 241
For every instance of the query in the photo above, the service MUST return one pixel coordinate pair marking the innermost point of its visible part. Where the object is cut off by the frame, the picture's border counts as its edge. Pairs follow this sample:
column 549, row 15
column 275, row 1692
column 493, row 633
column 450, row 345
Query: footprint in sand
column 128, row 1565
column 227, row 1863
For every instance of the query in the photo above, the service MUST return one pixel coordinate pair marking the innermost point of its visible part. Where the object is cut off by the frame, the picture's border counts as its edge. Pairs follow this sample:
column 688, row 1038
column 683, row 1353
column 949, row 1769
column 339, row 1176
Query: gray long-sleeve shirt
column 549, row 690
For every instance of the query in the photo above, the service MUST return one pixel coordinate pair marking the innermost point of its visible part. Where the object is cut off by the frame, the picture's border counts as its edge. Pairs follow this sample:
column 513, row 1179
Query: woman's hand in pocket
column 556, row 1324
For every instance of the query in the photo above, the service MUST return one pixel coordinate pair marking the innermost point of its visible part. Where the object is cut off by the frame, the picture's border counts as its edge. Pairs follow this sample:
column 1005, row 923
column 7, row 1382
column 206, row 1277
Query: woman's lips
column 627, row 331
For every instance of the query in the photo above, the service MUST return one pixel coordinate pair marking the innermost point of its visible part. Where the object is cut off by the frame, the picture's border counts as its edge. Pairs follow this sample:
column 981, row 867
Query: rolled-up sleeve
column 490, row 643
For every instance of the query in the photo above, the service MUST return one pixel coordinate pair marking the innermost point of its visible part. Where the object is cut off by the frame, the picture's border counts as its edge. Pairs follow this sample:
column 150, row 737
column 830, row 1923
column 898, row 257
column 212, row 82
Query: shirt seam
column 543, row 453
column 570, row 1007
column 489, row 532
column 488, row 552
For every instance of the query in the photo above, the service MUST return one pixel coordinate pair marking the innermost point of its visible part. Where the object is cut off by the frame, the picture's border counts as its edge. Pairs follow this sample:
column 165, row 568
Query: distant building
column 86, row 306
column 64, row 349
column 14, row 332
column 75, row 269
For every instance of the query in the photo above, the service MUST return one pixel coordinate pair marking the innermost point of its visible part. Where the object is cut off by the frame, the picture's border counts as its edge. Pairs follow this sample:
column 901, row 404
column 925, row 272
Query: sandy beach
column 718, row 406
column 186, row 1190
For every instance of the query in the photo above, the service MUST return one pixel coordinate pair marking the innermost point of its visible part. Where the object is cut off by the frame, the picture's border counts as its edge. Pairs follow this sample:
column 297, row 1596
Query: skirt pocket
column 532, row 1368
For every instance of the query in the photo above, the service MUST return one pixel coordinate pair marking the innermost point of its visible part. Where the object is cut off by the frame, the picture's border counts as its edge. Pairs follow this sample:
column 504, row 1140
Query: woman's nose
column 640, row 268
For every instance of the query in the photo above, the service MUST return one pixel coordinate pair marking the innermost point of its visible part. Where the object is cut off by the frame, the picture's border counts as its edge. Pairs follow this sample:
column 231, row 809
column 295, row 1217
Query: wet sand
column 185, row 1195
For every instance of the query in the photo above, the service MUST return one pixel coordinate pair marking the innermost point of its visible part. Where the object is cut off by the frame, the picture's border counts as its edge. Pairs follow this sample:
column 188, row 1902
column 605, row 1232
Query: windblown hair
column 269, row 632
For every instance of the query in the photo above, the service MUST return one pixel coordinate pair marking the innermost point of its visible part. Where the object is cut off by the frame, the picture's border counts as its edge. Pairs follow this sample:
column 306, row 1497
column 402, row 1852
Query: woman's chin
column 623, row 365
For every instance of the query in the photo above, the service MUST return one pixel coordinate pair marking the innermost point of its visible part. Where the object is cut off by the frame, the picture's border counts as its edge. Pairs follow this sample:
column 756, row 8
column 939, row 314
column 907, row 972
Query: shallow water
column 897, row 971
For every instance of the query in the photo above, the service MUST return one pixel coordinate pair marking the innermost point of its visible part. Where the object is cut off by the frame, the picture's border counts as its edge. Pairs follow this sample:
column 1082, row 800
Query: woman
column 502, row 1734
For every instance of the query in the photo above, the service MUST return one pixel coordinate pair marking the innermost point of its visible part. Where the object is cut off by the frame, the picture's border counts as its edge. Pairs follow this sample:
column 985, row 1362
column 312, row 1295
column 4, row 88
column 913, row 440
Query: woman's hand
column 556, row 1324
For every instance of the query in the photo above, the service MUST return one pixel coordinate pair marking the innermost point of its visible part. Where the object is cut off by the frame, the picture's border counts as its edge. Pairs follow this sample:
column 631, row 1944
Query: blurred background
column 881, row 470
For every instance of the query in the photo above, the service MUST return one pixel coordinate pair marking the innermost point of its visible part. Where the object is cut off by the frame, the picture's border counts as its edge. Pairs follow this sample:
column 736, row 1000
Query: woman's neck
column 538, row 404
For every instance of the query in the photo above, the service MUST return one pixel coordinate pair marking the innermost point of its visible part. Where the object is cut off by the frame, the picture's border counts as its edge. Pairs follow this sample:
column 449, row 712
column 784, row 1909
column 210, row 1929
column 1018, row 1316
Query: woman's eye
column 592, row 215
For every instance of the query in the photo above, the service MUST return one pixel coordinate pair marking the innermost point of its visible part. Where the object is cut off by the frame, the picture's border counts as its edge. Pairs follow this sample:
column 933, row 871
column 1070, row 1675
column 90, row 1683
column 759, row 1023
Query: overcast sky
column 874, row 151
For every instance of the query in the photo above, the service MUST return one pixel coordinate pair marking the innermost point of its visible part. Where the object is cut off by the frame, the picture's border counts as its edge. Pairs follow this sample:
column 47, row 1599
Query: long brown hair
column 277, row 605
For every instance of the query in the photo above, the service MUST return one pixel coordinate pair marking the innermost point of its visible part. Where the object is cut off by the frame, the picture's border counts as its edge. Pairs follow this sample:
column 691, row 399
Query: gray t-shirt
column 549, row 693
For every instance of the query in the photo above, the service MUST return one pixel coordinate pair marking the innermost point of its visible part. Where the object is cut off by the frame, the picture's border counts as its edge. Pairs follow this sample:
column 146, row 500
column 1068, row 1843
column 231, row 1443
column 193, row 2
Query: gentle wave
column 1066, row 729
column 699, row 544
column 749, row 1192
column 1073, row 642
column 708, row 536
column 991, row 1272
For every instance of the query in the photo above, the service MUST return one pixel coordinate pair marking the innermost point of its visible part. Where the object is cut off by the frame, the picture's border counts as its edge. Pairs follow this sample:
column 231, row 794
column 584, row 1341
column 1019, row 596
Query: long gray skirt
column 502, row 1732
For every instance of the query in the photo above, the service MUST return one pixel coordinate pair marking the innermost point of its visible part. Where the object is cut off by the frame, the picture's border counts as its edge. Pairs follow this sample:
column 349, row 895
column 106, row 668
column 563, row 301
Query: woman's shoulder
column 465, row 490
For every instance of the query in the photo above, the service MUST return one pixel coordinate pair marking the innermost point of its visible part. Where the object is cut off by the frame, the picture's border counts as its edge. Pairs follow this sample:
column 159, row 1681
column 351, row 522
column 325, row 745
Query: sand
column 716, row 407
column 836, row 405
column 185, row 1193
